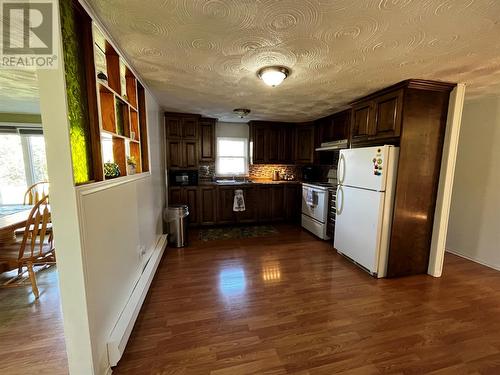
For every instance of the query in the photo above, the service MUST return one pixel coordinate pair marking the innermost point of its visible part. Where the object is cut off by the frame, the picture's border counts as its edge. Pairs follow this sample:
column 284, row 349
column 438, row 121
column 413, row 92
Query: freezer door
column 365, row 167
column 358, row 225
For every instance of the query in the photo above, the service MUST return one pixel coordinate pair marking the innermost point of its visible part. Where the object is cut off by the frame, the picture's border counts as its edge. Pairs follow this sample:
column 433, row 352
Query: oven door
column 314, row 203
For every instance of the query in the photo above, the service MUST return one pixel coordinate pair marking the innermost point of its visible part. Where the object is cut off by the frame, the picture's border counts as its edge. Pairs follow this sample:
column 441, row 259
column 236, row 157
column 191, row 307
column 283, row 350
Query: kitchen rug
column 229, row 233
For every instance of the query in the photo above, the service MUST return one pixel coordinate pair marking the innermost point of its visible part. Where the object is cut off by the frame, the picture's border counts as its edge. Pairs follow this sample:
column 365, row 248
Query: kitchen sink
column 231, row 182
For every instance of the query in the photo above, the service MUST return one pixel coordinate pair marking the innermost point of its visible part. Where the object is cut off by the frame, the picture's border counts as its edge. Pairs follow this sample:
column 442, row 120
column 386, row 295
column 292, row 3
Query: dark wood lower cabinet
column 188, row 196
column 211, row 205
column 191, row 198
column 207, row 205
column 265, row 203
column 251, row 213
column 293, row 203
column 225, row 199
column 175, row 196
column 277, row 203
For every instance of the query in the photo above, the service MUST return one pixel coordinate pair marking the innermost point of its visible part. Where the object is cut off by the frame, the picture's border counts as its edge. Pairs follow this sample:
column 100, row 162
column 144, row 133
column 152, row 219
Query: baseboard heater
column 121, row 332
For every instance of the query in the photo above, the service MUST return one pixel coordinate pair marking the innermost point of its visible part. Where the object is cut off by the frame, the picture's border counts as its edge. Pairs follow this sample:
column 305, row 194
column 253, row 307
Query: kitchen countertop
column 253, row 182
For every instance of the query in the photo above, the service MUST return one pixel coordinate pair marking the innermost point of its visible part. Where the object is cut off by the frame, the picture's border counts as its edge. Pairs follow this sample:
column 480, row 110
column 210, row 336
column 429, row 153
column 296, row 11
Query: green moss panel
column 76, row 95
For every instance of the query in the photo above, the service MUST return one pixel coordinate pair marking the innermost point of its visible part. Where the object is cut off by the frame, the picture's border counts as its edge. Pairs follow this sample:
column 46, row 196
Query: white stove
column 315, row 207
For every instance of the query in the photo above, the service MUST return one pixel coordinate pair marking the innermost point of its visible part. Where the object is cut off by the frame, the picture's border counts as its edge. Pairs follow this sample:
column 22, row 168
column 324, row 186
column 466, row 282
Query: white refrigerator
column 365, row 199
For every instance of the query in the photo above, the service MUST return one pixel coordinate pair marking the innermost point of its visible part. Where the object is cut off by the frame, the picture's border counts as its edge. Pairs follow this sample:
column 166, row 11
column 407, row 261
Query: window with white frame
column 232, row 156
column 23, row 162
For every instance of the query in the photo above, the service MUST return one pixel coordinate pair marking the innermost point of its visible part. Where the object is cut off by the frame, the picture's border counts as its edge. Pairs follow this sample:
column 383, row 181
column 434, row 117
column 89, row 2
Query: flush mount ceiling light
column 241, row 112
column 273, row 75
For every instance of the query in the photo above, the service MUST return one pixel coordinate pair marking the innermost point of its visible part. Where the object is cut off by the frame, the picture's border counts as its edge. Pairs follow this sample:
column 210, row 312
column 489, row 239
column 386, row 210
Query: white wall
column 232, row 129
column 119, row 220
column 98, row 229
column 474, row 225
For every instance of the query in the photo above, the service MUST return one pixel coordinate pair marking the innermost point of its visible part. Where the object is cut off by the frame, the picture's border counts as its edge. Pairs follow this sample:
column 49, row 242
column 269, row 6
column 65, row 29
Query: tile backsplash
column 206, row 171
column 265, row 171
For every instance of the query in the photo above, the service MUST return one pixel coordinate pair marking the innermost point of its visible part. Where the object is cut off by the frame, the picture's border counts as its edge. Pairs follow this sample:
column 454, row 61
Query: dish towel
column 310, row 198
column 239, row 201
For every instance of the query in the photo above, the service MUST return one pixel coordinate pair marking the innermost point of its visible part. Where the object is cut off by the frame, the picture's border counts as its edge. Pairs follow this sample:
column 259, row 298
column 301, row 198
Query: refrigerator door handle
column 341, row 168
column 340, row 202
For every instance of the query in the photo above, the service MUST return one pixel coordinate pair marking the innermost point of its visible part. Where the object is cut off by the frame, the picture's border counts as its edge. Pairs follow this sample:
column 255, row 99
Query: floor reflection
column 271, row 272
column 232, row 281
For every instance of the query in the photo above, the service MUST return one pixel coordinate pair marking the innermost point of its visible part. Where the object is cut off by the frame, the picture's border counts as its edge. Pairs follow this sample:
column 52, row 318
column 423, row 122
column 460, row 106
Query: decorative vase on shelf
column 131, row 165
column 131, row 169
column 111, row 170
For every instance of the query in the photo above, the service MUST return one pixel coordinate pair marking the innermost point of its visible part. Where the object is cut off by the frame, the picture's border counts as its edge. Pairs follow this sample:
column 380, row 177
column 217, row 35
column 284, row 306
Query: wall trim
column 21, row 118
column 95, row 187
column 496, row 267
column 123, row 328
column 445, row 187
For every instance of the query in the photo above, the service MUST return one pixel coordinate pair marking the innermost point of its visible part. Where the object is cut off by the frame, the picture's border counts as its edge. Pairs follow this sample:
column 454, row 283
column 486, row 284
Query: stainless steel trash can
column 176, row 217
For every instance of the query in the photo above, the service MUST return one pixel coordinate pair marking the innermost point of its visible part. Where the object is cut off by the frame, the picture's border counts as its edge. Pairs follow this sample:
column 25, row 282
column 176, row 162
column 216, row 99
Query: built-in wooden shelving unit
column 121, row 109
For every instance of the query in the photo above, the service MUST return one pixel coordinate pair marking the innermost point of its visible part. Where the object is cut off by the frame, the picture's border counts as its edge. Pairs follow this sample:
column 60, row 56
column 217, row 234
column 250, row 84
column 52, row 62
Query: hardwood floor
column 31, row 331
column 288, row 304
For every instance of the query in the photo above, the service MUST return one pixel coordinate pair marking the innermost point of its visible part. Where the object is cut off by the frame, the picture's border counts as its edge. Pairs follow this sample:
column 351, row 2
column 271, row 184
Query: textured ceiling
column 19, row 91
column 201, row 56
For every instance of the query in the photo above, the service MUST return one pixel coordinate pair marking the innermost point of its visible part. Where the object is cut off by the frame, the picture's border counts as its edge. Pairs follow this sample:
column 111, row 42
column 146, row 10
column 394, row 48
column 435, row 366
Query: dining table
column 12, row 217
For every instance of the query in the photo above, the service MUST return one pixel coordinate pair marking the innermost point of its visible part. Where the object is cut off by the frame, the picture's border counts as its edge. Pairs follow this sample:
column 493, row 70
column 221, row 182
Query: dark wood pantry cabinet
column 411, row 115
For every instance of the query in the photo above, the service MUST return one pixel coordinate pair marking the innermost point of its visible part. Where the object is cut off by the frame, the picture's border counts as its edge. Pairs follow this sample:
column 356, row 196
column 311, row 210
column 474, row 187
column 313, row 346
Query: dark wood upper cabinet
column 258, row 138
column 183, row 145
column 190, row 154
column 272, row 144
column 175, row 153
column 304, row 143
column 173, row 127
column 377, row 117
column 362, row 119
column 189, row 126
column 341, row 125
column 286, row 144
column 388, row 111
column 207, row 139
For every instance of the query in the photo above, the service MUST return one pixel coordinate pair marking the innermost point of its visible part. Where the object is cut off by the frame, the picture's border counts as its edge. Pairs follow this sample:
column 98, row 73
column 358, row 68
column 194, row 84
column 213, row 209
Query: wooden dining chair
column 36, row 192
column 36, row 246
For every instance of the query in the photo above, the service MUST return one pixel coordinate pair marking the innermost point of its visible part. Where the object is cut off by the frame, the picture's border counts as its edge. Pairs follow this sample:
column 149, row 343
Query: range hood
column 335, row 145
